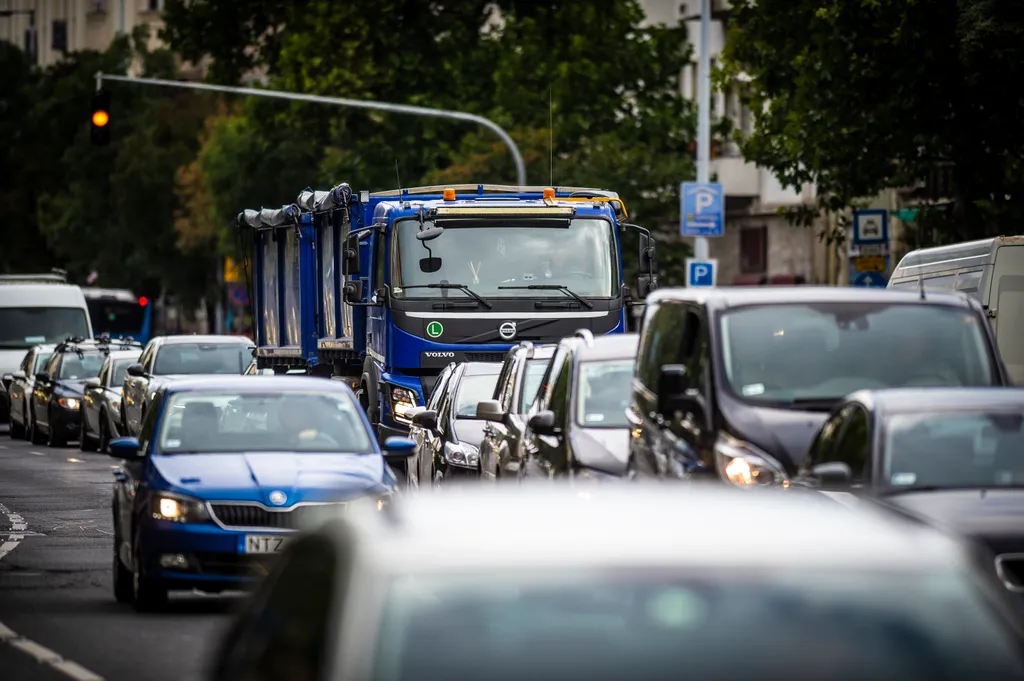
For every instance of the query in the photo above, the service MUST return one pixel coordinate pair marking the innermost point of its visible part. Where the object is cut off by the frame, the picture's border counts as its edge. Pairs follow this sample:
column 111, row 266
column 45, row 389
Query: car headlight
column 179, row 508
column 744, row 465
column 69, row 402
column 384, row 500
column 403, row 401
column 461, row 454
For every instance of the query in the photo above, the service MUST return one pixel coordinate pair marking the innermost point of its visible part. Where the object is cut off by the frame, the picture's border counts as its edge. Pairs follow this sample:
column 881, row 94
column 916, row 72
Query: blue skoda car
column 226, row 469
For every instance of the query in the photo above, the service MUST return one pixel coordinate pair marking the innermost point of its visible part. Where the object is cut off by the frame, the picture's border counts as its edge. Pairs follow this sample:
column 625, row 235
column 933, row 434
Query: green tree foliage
column 862, row 95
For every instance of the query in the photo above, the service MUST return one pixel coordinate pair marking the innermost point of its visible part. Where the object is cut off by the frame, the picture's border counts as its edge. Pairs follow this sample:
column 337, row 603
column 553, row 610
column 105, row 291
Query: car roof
column 732, row 296
column 894, row 400
column 204, row 338
column 546, row 351
column 636, row 526
column 611, row 346
column 256, row 383
column 481, row 368
column 123, row 354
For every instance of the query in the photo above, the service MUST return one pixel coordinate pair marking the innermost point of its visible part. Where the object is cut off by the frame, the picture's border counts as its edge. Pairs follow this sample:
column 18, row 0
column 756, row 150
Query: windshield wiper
column 552, row 287
column 460, row 287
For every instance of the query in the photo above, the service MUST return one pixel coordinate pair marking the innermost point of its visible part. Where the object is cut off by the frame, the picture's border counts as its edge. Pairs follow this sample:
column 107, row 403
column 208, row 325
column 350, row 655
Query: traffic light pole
column 336, row 101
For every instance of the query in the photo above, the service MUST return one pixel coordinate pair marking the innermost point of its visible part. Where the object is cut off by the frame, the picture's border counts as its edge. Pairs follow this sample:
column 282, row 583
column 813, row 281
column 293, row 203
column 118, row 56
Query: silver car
column 624, row 582
column 101, row 402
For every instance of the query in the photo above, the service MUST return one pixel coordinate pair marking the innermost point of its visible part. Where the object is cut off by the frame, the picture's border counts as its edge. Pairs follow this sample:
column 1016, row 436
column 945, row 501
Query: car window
column 149, row 421
column 473, row 389
column 507, row 381
column 79, row 367
column 558, row 401
column 202, row 358
column 533, row 374
column 120, row 370
column 439, row 390
column 954, row 449
column 823, row 448
column 853, row 446
column 603, row 393
column 40, row 362
column 664, row 343
column 251, row 421
column 785, row 353
column 847, row 624
column 550, row 376
column 147, row 357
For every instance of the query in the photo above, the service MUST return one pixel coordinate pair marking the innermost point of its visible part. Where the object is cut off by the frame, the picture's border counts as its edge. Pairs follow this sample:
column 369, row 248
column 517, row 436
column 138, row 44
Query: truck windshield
column 578, row 254
column 785, row 354
column 25, row 327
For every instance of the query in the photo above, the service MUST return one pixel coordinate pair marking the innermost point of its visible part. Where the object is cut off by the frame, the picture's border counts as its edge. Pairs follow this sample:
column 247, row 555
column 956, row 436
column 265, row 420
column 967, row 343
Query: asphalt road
column 58, row 617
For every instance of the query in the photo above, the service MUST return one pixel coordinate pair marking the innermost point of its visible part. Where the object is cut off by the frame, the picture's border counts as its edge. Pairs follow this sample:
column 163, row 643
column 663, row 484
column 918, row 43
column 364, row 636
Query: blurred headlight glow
column 69, row 402
column 179, row 508
column 744, row 465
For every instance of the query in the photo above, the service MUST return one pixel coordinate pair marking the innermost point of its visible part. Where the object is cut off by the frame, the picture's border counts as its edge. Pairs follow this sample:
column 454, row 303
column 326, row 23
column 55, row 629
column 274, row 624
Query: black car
column 732, row 384
column 453, row 430
column 952, row 456
column 578, row 425
column 56, row 402
column 507, row 412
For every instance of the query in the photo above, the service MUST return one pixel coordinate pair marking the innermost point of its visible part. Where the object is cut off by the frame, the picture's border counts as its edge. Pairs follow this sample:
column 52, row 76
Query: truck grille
column 249, row 515
column 486, row 356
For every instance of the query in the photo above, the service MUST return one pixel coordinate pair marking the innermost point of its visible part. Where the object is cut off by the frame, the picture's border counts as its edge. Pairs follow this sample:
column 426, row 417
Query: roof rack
column 586, row 335
column 55, row 276
column 482, row 189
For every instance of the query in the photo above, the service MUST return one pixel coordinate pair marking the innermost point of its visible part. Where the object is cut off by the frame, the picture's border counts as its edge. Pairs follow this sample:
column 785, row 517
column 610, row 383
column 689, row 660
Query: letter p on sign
column 701, row 273
column 703, row 201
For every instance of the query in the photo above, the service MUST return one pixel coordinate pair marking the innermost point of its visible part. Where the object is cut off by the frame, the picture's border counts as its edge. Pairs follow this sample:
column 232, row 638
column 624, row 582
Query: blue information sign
column 703, row 209
column 870, row 280
column 701, row 273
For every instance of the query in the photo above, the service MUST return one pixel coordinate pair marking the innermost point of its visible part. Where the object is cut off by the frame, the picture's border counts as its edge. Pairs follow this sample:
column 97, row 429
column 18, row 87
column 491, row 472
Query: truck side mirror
column 350, row 261
column 648, row 259
column 644, row 285
column 352, row 292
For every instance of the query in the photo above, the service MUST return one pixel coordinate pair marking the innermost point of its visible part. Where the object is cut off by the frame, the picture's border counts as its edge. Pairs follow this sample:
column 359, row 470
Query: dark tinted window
column 24, row 327
column 824, row 444
column 663, row 343
column 532, row 377
column 115, row 317
column 202, row 358
column 120, row 370
column 854, row 444
column 559, row 401
column 801, row 625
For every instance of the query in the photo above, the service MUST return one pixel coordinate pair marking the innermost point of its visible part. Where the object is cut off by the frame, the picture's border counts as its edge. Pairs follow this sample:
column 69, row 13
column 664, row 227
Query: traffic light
column 100, row 119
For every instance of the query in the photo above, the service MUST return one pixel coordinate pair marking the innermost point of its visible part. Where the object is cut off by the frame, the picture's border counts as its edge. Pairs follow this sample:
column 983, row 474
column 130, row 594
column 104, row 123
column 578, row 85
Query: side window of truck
column 379, row 243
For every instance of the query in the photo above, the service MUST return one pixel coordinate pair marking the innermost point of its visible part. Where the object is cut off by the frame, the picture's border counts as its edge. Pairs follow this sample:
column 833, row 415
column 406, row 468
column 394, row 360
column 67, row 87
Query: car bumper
column 66, row 421
column 215, row 557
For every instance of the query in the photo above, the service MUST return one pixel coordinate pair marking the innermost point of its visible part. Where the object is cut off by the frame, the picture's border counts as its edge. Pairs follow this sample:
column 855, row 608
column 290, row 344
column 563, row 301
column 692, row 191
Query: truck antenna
column 398, row 178
column 551, row 139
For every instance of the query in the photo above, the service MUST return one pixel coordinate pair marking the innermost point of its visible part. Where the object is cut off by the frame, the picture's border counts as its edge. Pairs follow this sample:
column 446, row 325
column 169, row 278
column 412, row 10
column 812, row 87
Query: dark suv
column 508, row 410
column 578, row 426
column 735, row 382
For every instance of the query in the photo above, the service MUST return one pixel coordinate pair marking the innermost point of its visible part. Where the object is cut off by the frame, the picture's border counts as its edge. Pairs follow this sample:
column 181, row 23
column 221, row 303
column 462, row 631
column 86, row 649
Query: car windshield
column 473, row 389
column 41, row 360
column 778, row 354
column 120, row 370
column 78, row 367
column 25, row 327
column 250, row 421
column 116, row 317
column 954, row 449
column 202, row 358
column 535, row 369
column 578, row 254
column 604, row 393
column 801, row 625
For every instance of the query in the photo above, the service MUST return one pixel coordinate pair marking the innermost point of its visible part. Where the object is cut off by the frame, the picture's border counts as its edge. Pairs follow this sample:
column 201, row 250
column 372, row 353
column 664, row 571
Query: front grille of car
column 251, row 515
column 233, row 564
column 486, row 356
column 1010, row 568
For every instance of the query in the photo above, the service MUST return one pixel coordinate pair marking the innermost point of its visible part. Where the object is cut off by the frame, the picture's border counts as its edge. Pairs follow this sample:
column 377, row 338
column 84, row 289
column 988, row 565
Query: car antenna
column 920, row 285
column 398, row 178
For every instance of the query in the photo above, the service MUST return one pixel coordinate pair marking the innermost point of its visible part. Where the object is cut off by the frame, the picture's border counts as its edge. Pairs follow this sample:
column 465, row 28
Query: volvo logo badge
column 507, row 330
column 443, row 355
column 277, row 497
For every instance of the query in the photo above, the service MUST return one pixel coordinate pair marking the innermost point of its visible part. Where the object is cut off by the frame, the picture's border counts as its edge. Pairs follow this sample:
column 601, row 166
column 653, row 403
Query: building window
column 59, row 36
column 154, row 5
column 753, row 250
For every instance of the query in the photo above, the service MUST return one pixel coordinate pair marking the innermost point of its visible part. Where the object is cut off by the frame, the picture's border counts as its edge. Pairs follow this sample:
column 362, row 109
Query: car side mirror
column 398, row 449
column 43, row 377
column 18, row 375
column 136, row 370
column 832, row 474
column 126, row 448
column 92, row 383
column 490, row 410
column 543, row 423
column 426, row 419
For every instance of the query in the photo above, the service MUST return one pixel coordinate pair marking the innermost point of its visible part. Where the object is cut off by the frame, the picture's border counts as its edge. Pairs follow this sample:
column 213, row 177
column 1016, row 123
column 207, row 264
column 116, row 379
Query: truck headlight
column 461, row 454
column 744, row 465
column 403, row 401
column 179, row 508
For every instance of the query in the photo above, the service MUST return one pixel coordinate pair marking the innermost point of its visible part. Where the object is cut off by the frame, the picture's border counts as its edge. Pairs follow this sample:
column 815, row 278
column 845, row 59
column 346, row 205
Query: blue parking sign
column 701, row 273
column 703, row 209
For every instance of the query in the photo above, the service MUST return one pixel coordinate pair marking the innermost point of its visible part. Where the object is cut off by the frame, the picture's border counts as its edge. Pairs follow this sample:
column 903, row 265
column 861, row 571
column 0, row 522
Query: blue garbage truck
column 385, row 289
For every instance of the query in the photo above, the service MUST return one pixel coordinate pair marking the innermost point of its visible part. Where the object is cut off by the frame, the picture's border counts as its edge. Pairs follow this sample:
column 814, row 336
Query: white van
column 35, row 310
column 990, row 270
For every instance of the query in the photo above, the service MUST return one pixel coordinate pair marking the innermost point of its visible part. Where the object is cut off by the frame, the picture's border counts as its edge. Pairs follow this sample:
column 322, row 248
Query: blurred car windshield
column 473, row 389
column 776, row 354
column 959, row 449
column 604, row 393
column 78, row 367
column 25, row 327
column 202, row 358
column 838, row 625
column 535, row 369
column 249, row 421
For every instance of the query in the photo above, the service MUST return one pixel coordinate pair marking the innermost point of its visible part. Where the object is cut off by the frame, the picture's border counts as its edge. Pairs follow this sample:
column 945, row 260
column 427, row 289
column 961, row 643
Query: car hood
column 10, row 360
column 253, row 476
column 72, row 386
column 605, row 449
column 785, row 434
column 991, row 515
column 470, row 431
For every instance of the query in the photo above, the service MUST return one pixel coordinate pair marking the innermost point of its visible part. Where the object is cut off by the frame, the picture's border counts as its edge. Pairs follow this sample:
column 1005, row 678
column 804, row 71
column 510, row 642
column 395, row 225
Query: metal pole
column 338, row 101
column 700, row 244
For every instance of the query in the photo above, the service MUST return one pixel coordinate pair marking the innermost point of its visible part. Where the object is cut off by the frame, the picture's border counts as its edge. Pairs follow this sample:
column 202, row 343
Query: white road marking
column 37, row 453
column 74, row 460
column 3, row 446
column 41, row 654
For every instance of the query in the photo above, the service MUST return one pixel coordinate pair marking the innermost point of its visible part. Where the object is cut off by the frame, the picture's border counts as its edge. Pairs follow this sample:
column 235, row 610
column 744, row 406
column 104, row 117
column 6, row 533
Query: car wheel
column 149, row 596
column 17, row 430
column 104, row 433
column 34, row 436
column 53, row 438
column 85, row 443
column 123, row 589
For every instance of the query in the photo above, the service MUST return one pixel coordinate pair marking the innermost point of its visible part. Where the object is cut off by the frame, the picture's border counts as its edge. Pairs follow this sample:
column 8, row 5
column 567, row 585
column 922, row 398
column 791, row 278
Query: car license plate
column 264, row 543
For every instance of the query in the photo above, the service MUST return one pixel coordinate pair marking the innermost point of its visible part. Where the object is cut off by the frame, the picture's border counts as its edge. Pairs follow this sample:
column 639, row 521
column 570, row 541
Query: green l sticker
column 434, row 329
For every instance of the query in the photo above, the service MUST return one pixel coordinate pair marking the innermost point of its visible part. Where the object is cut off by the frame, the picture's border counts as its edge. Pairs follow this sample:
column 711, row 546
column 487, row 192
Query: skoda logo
column 277, row 497
column 507, row 330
